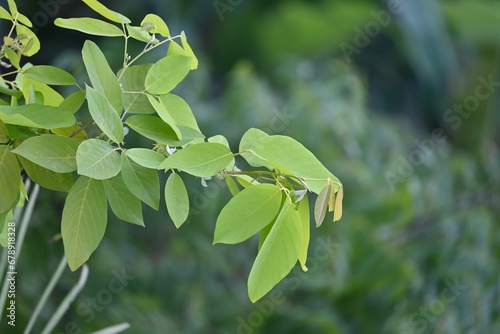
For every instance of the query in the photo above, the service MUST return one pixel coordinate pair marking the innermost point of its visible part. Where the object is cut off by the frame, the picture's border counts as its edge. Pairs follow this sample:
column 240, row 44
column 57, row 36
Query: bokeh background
column 399, row 99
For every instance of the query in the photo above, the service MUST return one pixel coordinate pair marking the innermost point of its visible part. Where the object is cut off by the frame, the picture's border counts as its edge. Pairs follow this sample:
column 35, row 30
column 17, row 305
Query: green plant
column 40, row 134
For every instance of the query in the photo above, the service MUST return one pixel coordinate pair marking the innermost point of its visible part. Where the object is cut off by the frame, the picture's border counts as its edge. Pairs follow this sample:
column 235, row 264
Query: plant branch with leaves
column 40, row 134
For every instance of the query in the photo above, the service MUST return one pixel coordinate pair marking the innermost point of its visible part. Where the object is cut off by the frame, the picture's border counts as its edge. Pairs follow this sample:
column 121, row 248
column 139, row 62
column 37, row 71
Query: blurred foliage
column 395, row 253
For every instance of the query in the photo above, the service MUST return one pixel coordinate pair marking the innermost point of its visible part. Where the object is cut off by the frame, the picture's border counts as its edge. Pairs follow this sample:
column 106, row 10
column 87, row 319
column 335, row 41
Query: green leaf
column 107, row 13
column 84, row 220
column 249, row 138
column 142, row 182
column 4, row 134
column 291, row 157
column 50, row 75
column 4, row 14
column 164, row 115
column 165, row 74
column 104, row 115
column 321, row 205
column 24, row 20
column 56, row 153
column 139, row 34
column 50, row 96
column 158, row 26
column 175, row 49
column 153, row 128
column 179, row 110
column 123, row 203
column 89, row 26
column 135, row 100
column 36, row 116
column 203, row 160
column 12, row 7
column 278, row 253
column 9, row 178
column 12, row 56
column 146, row 158
column 247, row 213
column 75, row 132
column 31, row 42
column 177, row 200
column 97, row 159
column 223, row 141
column 73, row 102
column 189, row 51
column 101, row 75
column 233, row 187
column 305, row 221
column 47, row 178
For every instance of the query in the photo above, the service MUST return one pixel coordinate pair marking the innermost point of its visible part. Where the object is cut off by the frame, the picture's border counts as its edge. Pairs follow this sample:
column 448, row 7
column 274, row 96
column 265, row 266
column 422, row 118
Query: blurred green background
column 399, row 99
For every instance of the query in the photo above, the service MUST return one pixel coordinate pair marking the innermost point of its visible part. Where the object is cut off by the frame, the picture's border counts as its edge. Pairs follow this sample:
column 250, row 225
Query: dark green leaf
column 124, row 204
column 142, row 182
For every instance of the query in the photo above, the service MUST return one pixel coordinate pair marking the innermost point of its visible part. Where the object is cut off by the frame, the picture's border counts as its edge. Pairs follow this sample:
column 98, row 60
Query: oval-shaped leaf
column 107, row 13
column 247, row 213
column 158, row 26
column 153, row 128
column 189, row 51
column 104, row 115
column 56, row 153
column 97, row 159
column 47, row 178
column 31, row 42
column 50, row 75
column 164, row 115
column 101, row 75
column 177, row 200
column 337, row 214
column 278, row 253
column 305, row 223
column 321, row 205
column 132, row 80
column 73, row 102
column 36, row 116
column 249, row 138
column 142, row 182
column 89, row 26
column 123, row 203
column 9, row 178
column 84, row 220
column 289, row 156
column 165, row 74
column 179, row 110
column 146, row 158
column 139, row 34
column 203, row 160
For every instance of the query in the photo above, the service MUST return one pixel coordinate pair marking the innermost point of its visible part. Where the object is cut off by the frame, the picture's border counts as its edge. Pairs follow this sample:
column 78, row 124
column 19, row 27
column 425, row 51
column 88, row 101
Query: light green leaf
column 50, row 75
column 132, row 80
column 223, row 141
column 189, row 51
column 233, row 187
column 146, row 158
column 179, row 110
column 337, row 214
column 176, row 198
column 12, row 7
column 97, row 159
column 73, row 102
column 24, row 20
column 75, row 132
column 158, row 25
column 36, row 116
column 175, row 49
column 247, row 213
column 164, row 115
column 31, row 42
column 165, row 74
column 89, row 26
column 142, row 182
column 249, row 138
column 139, row 34
column 4, row 14
column 204, row 159
column 264, row 233
column 278, row 253
column 321, row 205
column 56, row 153
column 107, row 13
column 12, row 56
column 47, row 178
column 124, row 204
column 153, row 128
column 305, row 222
column 9, row 178
column 84, row 220
column 101, row 75
column 50, row 96
column 104, row 115
column 291, row 157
